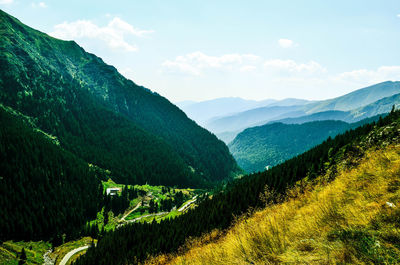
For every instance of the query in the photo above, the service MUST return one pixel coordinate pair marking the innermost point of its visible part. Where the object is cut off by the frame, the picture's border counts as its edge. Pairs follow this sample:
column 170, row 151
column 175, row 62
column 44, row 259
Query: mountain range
column 206, row 111
column 347, row 108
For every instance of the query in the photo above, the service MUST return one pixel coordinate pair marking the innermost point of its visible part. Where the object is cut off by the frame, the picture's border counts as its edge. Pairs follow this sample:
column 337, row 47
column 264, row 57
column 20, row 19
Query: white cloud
column 247, row 68
column 285, row 67
column 113, row 34
column 194, row 63
column 398, row 15
column 364, row 76
column 6, row 2
column 40, row 4
column 286, row 43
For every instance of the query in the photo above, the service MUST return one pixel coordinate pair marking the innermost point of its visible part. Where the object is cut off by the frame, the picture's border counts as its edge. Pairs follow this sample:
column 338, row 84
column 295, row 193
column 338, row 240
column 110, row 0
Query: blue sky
column 197, row 50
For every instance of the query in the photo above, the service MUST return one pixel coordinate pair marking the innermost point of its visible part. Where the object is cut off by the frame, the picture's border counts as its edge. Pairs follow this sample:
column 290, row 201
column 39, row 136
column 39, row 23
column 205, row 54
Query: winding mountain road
column 144, row 216
column 186, row 205
column 71, row 253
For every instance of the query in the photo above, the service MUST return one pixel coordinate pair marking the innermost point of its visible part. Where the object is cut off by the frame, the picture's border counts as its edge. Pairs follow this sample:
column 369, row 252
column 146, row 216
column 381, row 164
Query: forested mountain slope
column 45, row 191
column 101, row 116
column 271, row 144
column 134, row 243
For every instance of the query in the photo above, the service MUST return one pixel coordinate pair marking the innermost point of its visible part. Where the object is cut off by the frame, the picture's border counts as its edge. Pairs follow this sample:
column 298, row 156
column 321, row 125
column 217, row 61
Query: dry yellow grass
column 353, row 219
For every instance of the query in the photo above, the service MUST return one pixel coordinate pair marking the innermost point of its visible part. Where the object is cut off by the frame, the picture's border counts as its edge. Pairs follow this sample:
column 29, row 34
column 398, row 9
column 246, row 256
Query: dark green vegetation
column 103, row 118
column 45, row 191
column 121, row 246
column 271, row 144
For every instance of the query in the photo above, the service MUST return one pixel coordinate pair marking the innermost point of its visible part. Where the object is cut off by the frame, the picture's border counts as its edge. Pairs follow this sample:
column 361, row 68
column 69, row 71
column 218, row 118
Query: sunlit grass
column 353, row 219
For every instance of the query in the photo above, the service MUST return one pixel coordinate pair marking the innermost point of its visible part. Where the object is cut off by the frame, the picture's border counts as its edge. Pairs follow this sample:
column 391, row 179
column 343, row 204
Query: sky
column 200, row 50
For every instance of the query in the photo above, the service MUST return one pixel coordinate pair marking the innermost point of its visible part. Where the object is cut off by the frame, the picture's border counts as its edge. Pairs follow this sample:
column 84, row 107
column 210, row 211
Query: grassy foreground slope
column 352, row 219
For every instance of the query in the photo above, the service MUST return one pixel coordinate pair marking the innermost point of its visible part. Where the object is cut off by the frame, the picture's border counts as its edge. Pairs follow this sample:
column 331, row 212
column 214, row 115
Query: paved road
column 185, row 206
column 144, row 216
column 71, row 253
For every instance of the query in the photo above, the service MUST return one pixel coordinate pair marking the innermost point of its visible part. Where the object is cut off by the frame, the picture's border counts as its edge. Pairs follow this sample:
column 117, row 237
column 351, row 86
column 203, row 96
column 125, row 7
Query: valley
column 227, row 158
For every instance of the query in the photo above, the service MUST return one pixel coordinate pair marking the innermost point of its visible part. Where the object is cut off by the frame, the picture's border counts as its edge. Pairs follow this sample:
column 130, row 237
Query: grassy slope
column 10, row 251
column 345, row 221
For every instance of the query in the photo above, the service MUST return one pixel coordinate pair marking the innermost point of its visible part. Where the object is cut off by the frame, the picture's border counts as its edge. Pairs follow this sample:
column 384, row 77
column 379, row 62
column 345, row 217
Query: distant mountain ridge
column 383, row 105
column 350, row 103
column 357, row 99
column 205, row 111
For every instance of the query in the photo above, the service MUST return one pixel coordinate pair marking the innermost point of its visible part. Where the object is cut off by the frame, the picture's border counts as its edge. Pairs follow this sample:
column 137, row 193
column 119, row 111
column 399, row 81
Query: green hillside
column 268, row 145
column 102, row 117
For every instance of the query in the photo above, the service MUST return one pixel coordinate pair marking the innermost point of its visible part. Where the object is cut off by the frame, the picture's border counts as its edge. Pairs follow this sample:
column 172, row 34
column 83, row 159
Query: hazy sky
column 198, row 50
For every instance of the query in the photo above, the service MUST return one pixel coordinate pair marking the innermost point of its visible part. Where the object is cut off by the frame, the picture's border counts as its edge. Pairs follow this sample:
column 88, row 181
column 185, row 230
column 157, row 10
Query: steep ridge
column 217, row 212
column 101, row 116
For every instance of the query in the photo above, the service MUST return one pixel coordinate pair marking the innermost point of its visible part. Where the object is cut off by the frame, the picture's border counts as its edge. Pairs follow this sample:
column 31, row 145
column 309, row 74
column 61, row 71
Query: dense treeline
column 45, row 192
column 101, row 116
column 122, row 247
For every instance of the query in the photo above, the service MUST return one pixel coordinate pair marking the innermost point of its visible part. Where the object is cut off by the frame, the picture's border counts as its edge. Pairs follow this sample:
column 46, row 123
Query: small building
column 113, row 191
